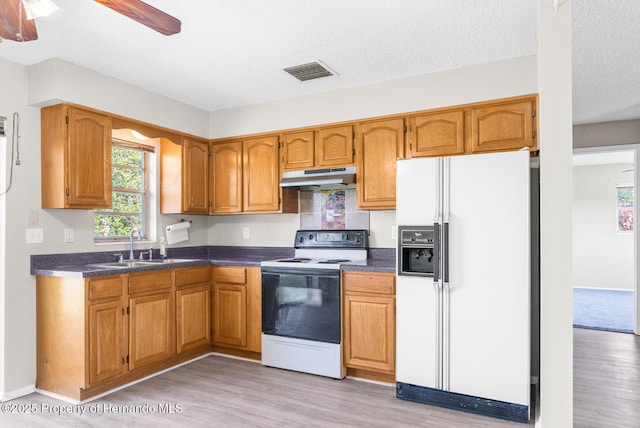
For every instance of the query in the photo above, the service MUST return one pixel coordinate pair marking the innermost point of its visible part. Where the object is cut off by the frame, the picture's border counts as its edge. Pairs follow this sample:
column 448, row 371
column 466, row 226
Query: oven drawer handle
column 296, row 345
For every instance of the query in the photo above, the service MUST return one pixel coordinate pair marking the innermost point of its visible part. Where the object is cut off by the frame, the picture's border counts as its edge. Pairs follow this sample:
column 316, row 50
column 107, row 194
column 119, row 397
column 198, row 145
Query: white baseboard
column 17, row 393
column 604, row 288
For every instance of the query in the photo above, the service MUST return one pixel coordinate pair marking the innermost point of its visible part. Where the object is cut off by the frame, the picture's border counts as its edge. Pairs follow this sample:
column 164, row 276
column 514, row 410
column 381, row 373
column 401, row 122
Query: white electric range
column 301, row 302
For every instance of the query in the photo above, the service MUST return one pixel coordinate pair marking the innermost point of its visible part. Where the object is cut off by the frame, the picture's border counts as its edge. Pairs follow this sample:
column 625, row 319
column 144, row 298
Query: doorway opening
column 604, row 292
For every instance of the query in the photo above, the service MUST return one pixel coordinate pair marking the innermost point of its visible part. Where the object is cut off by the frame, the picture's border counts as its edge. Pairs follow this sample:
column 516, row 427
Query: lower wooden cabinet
column 106, row 344
column 237, row 298
column 150, row 329
column 369, row 323
column 94, row 334
column 193, row 308
column 193, row 317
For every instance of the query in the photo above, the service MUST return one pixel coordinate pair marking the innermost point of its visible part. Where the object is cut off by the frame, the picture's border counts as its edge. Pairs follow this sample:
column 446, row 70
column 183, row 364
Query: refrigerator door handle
column 436, row 252
column 438, row 348
column 445, row 330
column 444, row 253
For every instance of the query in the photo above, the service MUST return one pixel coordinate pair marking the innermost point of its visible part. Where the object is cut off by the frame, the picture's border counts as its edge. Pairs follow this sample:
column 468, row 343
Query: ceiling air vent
column 312, row 70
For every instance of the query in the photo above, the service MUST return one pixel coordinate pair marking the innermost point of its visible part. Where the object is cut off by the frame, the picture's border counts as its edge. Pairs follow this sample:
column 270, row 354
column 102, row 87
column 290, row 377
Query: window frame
column 145, row 192
column 619, row 208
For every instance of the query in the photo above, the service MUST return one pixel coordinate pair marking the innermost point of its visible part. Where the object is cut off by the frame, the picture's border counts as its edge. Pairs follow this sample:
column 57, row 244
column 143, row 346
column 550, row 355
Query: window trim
column 618, row 208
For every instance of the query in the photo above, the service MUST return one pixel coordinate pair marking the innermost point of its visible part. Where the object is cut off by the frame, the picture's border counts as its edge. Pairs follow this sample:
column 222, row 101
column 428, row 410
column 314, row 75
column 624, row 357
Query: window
column 624, row 208
column 130, row 196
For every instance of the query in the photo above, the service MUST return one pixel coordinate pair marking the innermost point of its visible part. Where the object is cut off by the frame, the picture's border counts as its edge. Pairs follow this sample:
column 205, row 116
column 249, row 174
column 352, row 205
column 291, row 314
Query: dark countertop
column 74, row 265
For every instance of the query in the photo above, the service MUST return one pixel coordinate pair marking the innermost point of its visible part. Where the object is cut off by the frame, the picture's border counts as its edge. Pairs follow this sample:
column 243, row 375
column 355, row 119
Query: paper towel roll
column 178, row 232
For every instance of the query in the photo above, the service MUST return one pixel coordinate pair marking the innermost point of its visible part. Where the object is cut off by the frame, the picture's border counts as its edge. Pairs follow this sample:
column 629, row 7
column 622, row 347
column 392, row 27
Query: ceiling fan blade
column 145, row 15
column 14, row 24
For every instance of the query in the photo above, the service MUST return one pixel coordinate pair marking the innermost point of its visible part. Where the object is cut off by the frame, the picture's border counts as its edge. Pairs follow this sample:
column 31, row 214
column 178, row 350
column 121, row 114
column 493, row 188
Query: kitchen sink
column 117, row 265
column 138, row 263
column 163, row 261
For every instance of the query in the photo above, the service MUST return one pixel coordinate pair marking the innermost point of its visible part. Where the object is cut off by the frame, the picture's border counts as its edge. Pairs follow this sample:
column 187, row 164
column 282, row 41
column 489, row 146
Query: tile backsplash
column 332, row 210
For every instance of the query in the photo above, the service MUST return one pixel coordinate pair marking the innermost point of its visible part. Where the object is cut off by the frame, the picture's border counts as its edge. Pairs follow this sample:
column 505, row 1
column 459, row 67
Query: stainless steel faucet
column 135, row 229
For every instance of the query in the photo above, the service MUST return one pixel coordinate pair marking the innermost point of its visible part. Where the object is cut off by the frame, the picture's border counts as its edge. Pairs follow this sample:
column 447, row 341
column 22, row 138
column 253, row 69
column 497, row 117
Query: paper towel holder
column 183, row 220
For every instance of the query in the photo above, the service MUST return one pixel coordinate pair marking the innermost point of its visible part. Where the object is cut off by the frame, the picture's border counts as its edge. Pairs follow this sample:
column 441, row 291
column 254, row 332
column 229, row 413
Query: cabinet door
column 106, row 347
column 88, row 165
column 226, row 177
column 334, row 146
column 192, row 315
column 195, row 170
column 499, row 127
column 439, row 134
column 370, row 332
column 230, row 315
column 254, row 309
column 297, row 150
column 378, row 146
column 261, row 176
column 150, row 331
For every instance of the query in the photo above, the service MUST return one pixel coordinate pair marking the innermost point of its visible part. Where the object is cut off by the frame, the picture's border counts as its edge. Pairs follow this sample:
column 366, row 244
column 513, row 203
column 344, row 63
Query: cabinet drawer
column 193, row 275
column 380, row 283
column 233, row 274
column 105, row 288
column 140, row 283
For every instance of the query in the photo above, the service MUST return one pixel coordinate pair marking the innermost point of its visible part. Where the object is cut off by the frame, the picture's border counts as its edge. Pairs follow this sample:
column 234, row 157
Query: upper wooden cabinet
column 378, row 145
column 334, row 146
column 503, row 126
column 225, row 184
column 245, row 178
column 297, row 150
column 326, row 147
column 195, row 167
column 184, row 176
column 437, row 134
column 76, row 158
column 261, row 178
column 261, row 175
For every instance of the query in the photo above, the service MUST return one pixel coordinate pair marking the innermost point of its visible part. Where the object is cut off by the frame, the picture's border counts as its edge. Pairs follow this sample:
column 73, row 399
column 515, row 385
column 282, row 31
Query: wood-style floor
column 606, row 379
column 222, row 392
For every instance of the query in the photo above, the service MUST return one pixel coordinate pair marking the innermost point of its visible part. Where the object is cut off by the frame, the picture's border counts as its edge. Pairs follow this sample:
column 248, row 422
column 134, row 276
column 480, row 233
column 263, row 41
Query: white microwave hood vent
column 320, row 179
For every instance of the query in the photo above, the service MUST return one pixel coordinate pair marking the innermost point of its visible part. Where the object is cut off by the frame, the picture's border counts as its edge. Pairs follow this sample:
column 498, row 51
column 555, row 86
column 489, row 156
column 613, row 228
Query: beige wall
column 602, row 258
column 606, row 134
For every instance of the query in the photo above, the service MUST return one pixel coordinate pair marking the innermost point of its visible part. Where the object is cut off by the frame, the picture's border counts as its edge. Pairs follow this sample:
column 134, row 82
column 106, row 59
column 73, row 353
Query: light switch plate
column 35, row 235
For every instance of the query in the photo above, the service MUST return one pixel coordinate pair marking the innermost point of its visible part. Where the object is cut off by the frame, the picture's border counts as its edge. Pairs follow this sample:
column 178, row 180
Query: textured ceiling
column 231, row 52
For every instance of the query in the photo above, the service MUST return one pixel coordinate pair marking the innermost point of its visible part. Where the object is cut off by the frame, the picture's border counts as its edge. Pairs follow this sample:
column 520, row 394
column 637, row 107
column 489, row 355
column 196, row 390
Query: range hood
column 320, row 179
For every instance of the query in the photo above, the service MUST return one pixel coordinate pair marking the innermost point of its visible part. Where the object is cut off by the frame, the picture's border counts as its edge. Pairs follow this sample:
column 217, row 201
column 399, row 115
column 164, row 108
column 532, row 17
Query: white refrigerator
column 465, row 343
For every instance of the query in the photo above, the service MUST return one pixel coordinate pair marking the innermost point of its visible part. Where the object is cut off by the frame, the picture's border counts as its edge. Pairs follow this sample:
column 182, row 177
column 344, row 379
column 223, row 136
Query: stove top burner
column 334, row 261
column 295, row 260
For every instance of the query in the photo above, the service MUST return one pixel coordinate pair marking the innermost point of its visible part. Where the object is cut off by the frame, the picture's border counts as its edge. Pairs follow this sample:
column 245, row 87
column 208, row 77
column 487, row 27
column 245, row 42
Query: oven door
column 301, row 303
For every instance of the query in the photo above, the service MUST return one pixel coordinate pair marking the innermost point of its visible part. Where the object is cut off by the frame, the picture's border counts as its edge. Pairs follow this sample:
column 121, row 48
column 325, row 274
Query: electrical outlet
column 68, row 235
column 394, row 232
column 245, row 232
column 32, row 218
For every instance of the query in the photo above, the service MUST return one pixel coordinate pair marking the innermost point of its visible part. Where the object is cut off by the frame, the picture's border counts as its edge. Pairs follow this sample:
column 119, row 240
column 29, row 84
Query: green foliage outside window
column 624, row 207
column 128, row 198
